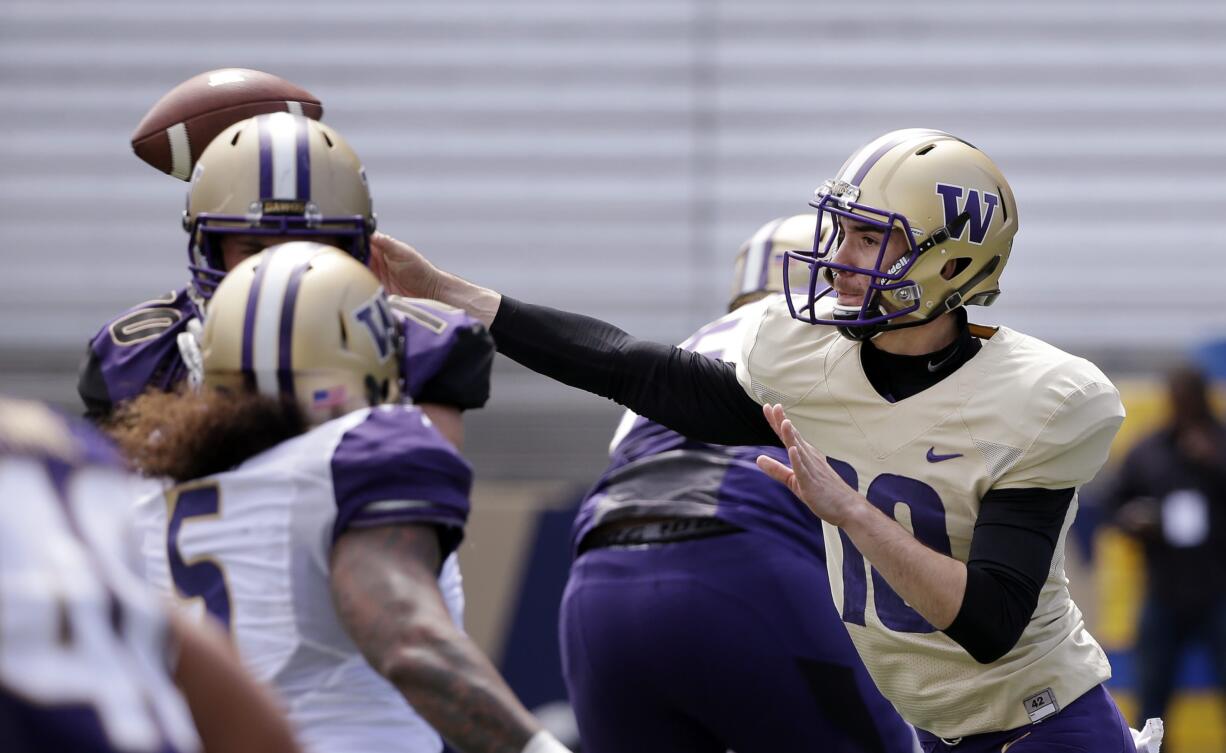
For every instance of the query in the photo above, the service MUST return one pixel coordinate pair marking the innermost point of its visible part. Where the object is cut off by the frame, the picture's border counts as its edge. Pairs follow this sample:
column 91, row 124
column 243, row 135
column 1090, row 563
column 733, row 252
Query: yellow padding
column 1194, row 722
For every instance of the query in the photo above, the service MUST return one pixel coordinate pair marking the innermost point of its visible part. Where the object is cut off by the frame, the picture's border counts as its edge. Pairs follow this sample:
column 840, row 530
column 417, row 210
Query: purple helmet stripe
column 899, row 137
column 265, row 158
column 304, row 159
column 285, row 351
column 253, row 301
column 872, row 160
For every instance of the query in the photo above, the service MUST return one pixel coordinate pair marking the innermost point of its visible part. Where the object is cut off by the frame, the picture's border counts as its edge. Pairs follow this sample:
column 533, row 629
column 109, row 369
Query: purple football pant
column 1090, row 724
column 729, row 642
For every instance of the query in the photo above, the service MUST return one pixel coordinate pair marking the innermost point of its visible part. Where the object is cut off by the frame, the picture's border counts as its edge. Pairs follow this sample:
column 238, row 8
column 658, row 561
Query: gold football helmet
column 275, row 175
column 307, row 323
column 758, row 270
column 951, row 204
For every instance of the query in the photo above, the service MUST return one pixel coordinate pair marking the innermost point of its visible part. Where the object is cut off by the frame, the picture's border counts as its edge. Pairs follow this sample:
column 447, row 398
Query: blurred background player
column 88, row 658
column 321, row 551
column 266, row 180
column 1170, row 494
column 697, row 616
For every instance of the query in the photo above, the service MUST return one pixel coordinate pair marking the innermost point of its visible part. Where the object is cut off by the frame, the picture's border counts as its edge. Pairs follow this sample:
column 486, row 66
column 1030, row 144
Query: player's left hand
column 810, row 478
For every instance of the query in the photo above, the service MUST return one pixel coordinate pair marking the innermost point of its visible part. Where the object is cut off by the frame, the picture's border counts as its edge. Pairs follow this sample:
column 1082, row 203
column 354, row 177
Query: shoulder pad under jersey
column 134, row 351
column 448, row 354
column 782, row 359
column 1060, row 412
column 392, row 467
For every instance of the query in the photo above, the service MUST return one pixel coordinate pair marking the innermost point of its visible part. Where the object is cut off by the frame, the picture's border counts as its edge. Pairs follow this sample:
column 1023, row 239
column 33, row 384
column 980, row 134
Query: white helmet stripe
column 278, row 269
column 758, row 258
column 283, row 132
column 293, row 108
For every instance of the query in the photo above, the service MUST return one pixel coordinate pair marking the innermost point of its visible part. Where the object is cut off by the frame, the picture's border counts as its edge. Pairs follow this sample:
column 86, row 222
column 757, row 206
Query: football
column 183, row 122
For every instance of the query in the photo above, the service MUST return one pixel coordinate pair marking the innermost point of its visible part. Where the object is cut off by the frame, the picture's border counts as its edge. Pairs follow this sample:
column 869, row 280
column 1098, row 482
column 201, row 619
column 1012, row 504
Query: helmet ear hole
column 344, row 332
column 955, row 267
column 372, row 390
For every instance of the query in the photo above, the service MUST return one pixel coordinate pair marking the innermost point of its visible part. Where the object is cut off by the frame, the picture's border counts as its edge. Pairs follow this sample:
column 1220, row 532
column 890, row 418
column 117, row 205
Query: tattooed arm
column 385, row 586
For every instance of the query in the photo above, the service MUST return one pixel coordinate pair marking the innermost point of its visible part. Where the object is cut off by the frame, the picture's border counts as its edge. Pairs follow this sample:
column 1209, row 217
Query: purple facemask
column 838, row 200
column 205, row 260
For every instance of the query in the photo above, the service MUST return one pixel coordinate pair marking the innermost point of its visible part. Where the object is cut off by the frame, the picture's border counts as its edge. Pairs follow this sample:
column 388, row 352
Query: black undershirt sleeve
column 1011, row 554
column 691, row 394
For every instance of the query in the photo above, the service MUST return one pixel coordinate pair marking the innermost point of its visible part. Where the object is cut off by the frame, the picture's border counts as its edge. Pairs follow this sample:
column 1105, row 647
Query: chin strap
column 942, row 234
column 938, row 236
column 856, row 331
column 956, row 298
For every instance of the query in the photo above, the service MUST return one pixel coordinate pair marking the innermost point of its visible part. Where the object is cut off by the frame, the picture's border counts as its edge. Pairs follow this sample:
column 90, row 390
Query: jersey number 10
column 927, row 524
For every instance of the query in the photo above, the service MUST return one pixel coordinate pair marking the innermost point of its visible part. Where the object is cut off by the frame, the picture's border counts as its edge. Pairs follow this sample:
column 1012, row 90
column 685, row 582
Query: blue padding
column 1211, row 356
column 1195, row 669
column 532, row 664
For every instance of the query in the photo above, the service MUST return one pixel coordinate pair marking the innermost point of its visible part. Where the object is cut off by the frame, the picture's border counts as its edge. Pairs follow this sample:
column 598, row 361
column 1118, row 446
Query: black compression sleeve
column 696, row 396
column 1011, row 553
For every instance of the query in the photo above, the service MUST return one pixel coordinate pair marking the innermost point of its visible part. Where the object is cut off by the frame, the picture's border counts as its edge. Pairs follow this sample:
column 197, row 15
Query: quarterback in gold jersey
column 943, row 457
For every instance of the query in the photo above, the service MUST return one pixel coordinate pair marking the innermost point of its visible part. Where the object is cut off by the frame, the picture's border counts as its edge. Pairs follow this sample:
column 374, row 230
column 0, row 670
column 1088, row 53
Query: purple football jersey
column 657, row 472
column 135, row 350
column 392, row 467
column 447, row 356
column 654, row 471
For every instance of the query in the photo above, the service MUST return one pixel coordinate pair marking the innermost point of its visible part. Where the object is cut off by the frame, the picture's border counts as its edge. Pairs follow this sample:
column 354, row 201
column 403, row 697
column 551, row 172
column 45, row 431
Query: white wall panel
column 612, row 156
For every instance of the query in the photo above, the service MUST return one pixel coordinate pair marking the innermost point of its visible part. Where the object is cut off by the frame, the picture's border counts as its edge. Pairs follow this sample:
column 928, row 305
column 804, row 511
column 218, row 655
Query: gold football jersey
column 1019, row 414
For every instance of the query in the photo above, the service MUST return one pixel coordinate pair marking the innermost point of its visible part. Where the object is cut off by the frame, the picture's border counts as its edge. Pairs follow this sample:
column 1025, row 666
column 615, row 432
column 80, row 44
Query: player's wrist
column 544, row 742
column 478, row 302
column 858, row 513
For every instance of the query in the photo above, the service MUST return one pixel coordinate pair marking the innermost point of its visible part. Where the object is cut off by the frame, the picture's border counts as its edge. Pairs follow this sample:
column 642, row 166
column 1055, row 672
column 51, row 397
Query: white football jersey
column 85, row 646
column 1020, row 414
column 253, row 546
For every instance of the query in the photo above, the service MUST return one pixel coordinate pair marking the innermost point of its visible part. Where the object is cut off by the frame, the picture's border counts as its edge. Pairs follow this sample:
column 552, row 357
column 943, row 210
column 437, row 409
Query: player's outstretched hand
column 810, row 478
column 402, row 269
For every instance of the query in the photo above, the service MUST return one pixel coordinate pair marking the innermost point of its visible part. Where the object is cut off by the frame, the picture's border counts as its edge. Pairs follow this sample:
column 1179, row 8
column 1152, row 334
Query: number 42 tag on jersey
column 1041, row 705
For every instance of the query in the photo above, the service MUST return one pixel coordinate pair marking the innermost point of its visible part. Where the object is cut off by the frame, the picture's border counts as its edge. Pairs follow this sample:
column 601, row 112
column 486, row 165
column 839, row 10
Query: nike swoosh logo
column 935, row 367
column 933, row 457
column 1005, row 748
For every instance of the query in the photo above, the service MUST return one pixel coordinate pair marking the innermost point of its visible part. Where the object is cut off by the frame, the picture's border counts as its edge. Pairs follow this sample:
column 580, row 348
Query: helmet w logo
column 979, row 208
column 379, row 324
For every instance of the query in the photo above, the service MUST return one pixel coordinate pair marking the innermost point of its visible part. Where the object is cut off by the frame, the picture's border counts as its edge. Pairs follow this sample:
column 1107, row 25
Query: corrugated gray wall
column 611, row 156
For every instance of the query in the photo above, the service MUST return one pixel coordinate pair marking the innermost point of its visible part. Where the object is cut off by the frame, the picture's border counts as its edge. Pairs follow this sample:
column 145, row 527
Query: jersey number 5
column 886, row 493
column 201, row 577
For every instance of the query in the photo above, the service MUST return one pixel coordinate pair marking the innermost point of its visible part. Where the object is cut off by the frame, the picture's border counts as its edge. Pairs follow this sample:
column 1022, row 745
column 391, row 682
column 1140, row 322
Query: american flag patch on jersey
column 329, row 398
